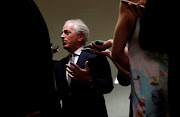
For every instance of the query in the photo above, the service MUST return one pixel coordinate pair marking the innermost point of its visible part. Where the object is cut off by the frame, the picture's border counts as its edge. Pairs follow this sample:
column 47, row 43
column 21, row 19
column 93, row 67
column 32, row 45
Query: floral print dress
column 149, row 80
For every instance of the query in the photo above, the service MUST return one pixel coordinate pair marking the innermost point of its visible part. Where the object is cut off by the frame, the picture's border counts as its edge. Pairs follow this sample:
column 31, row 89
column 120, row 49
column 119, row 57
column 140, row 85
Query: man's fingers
column 76, row 67
column 72, row 76
column 73, row 69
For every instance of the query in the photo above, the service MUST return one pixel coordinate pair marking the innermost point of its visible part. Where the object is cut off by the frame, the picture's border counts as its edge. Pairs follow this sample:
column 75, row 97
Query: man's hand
column 78, row 74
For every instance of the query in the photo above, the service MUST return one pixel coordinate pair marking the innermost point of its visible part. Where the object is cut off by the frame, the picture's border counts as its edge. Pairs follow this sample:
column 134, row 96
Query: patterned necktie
column 72, row 59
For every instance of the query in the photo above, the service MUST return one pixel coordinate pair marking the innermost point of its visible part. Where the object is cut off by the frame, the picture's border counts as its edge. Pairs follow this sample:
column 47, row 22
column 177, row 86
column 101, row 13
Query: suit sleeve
column 123, row 80
column 100, row 74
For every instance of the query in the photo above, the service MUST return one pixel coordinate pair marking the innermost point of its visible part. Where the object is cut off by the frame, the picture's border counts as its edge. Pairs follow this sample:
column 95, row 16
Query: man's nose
column 62, row 36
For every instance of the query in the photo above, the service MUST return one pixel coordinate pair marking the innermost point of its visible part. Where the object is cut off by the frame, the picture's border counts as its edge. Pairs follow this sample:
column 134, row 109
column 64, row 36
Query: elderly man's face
column 69, row 37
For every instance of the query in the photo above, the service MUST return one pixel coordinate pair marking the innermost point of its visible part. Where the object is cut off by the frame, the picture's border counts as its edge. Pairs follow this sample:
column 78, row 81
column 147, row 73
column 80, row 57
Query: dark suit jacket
column 85, row 101
column 29, row 60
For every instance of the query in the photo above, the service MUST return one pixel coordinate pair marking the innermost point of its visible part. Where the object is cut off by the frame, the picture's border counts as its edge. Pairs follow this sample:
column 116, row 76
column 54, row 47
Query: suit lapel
column 82, row 59
column 65, row 62
column 64, row 67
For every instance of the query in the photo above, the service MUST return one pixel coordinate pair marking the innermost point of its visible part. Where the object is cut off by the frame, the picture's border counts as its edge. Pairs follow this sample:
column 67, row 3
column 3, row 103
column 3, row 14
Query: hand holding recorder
column 136, row 8
column 54, row 49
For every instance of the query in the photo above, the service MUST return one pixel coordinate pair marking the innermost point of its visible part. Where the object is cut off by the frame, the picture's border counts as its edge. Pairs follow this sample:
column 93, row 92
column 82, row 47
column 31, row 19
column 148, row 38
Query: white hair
column 80, row 27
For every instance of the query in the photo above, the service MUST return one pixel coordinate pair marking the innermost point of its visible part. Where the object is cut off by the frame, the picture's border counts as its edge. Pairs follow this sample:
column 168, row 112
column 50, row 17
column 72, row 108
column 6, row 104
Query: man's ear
column 81, row 37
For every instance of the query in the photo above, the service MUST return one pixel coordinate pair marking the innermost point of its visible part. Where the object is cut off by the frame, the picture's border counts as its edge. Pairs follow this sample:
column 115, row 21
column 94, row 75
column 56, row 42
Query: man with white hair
column 81, row 82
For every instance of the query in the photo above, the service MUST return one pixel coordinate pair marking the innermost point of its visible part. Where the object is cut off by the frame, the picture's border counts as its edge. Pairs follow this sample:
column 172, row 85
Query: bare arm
column 103, row 49
column 122, row 33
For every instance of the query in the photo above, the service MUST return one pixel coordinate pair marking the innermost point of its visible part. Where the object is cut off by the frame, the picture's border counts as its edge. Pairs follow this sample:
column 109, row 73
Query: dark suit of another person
column 29, row 85
column 85, row 100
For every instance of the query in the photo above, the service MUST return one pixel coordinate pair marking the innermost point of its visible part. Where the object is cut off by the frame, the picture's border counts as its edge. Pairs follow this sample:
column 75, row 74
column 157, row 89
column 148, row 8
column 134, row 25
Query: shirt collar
column 79, row 50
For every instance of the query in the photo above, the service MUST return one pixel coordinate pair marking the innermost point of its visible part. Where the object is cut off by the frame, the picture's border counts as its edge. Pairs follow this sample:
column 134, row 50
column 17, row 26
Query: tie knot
column 72, row 55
